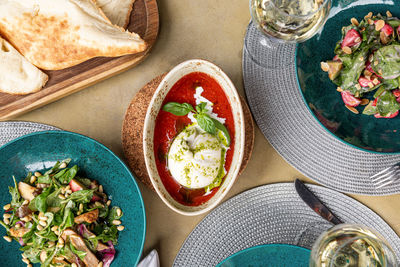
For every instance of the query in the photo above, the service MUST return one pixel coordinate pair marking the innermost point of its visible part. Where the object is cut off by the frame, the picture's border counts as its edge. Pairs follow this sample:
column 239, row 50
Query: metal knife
column 314, row 203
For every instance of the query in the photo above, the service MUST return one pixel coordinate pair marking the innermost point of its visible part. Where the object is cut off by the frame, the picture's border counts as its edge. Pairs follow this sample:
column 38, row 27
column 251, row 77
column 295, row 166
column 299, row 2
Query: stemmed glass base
column 266, row 52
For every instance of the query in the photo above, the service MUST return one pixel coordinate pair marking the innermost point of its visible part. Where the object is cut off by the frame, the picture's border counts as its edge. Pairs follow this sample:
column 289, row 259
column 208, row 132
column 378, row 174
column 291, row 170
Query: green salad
column 62, row 219
column 366, row 67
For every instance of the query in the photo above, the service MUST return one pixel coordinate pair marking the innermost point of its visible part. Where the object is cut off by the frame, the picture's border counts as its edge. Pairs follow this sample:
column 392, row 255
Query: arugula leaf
column 105, row 233
column 82, row 196
column 68, row 218
column 40, row 202
column 15, row 195
column 53, row 200
column 66, row 175
column 44, row 179
column 223, row 129
column 56, row 166
column 79, row 253
column 112, row 215
column 370, row 109
column 206, row 123
column 178, row 109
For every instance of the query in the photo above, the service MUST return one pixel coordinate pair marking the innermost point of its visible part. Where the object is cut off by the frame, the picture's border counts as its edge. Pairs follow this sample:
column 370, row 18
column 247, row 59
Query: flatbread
column 117, row 11
column 17, row 75
column 56, row 34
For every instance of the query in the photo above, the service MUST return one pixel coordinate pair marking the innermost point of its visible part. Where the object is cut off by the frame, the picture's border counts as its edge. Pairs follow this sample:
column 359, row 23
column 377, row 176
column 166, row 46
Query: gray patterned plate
column 280, row 112
column 10, row 130
column 271, row 214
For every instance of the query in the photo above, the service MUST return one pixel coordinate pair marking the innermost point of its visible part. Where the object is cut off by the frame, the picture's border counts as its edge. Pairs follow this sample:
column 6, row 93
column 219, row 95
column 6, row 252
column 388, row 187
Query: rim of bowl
column 107, row 149
column 262, row 246
column 164, row 81
column 320, row 123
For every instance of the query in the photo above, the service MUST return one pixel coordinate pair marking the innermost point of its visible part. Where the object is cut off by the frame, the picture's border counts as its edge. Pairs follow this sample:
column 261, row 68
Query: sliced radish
column 351, row 38
column 387, row 30
column 388, row 116
column 350, row 100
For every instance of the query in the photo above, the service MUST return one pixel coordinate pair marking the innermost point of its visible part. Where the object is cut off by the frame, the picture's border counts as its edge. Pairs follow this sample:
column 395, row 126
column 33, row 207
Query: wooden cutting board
column 144, row 21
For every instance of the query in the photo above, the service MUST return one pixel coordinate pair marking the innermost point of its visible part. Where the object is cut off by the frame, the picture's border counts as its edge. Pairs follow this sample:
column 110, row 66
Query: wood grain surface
column 132, row 132
column 144, row 21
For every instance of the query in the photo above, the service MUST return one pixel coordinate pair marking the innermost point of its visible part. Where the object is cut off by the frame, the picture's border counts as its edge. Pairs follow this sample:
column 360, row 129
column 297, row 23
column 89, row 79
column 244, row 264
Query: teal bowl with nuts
column 321, row 95
column 40, row 151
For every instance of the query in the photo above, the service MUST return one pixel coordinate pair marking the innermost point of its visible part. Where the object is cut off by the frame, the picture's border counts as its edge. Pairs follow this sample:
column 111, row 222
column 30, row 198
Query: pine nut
column 39, row 227
column 6, row 221
column 33, row 179
column 347, row 50
column 79, row 212
column 324, row 66
column 369, row 15
column 62, row 190
column 379, row 25
column 7, row 238
column 54, row 228
column 6, row 215
column 23, row 256
column 26, row 260
column 74, row 265
column 57, row 232
column 100, row 188
column 116, row 222
column 69, row 191
column 17, row 226
column 60, row 240
column 26, row 202
column 63, row 165
column 51, row 244
column 119, row 212
column 43, row 218
column 7, row 207
column 354, row 21
column 67, row 187
column 37, row 174
column 43, row 223
column 100, row 264
column 120, row 228
column 352, row 109
column 61, row 196
column 98, row 204
column 389, row 14
column 66, row 195
column 108, row 202
column 29, row 265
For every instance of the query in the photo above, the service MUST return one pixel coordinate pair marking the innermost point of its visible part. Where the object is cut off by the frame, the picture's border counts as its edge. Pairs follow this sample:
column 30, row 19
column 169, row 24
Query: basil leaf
column 68, row 218
column 206, row 123
column 223, row 129
column 201, row 108
column 66, row 175
column 79, row 253
column 177, row 108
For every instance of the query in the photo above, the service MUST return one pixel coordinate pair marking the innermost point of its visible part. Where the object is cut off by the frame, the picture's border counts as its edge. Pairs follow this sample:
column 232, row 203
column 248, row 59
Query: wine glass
column 352, row 245
column 283, row 21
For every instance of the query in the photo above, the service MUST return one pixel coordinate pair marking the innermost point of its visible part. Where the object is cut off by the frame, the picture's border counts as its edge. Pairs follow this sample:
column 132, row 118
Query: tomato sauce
column 168, row 126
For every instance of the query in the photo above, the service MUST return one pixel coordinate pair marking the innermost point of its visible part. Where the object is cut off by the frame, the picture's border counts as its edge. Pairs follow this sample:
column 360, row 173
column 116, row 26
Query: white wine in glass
column 349, row 245
column 283, row 21
column 289, row 20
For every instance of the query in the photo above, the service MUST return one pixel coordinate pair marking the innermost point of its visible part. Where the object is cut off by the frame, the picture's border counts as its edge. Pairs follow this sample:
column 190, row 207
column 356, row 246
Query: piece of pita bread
column 56, row 34
column 17, row 75
column 117, row 11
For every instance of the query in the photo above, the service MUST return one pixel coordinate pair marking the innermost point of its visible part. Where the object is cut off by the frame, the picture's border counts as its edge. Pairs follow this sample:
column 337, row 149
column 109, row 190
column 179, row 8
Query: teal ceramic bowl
column 325, row 103
column 39, row 151
column 269, row 255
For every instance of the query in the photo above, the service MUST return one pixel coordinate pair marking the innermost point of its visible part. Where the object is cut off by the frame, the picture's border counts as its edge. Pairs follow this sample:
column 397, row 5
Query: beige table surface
column 207, row 29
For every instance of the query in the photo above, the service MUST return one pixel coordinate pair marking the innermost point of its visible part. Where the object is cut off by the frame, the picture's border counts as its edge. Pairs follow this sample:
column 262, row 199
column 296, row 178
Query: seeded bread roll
column 17, row 75
column 57, row 34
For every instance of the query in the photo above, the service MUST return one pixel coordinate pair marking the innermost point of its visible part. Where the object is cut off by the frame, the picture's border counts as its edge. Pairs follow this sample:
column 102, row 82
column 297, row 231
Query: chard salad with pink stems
column 366, row 65
column 62, row 219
